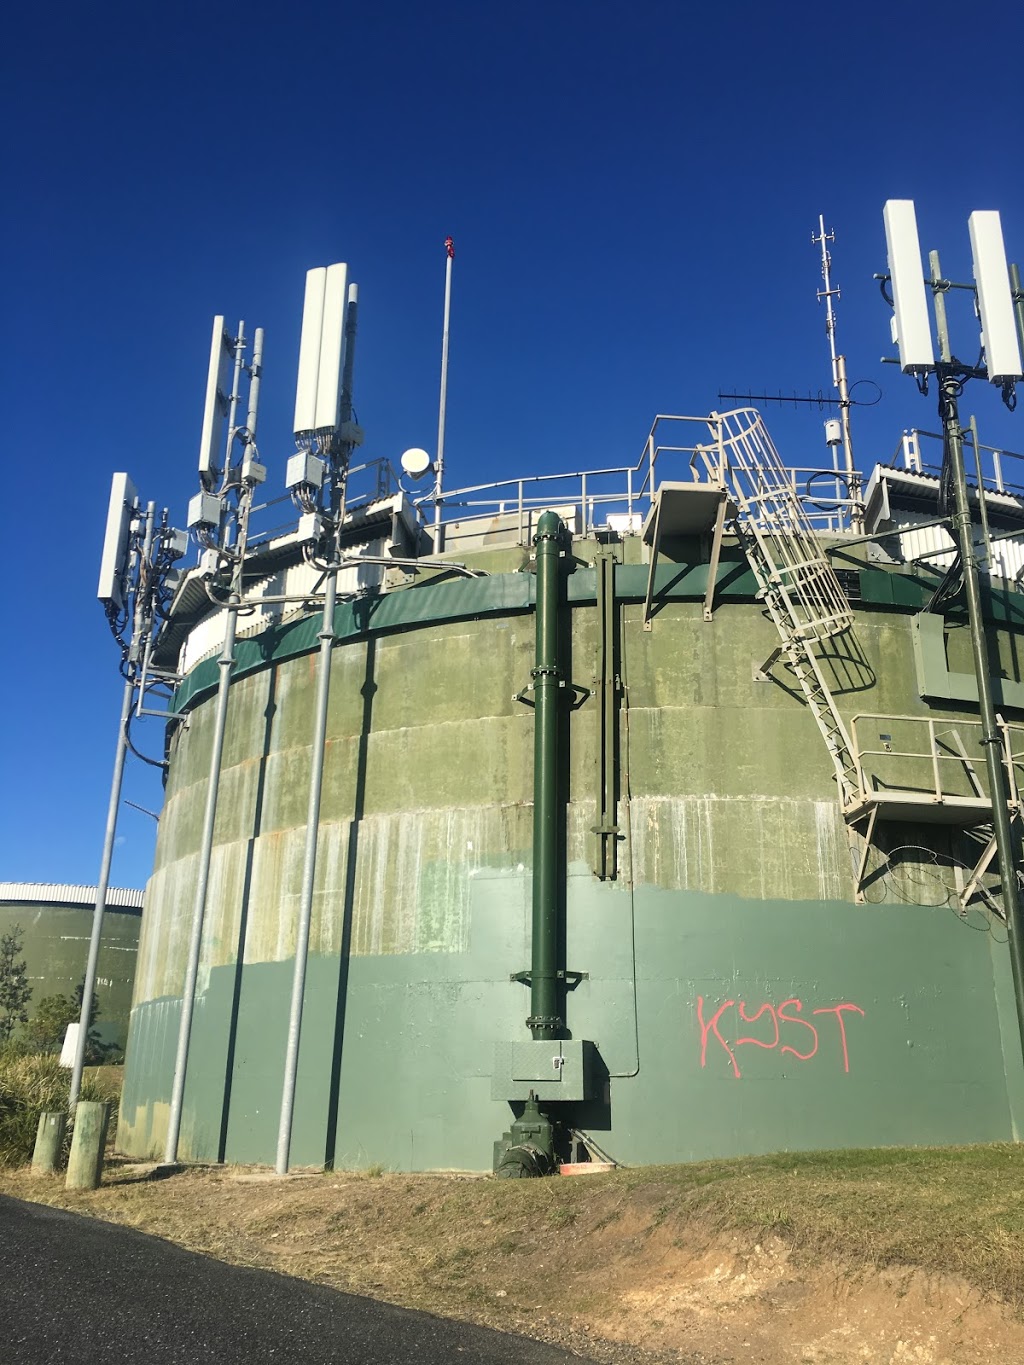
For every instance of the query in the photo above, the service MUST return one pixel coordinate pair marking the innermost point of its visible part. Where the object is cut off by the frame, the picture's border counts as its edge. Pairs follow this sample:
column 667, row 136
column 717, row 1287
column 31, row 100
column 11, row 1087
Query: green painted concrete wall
column 733, row 904
column 56, row 946
column 408, row 1068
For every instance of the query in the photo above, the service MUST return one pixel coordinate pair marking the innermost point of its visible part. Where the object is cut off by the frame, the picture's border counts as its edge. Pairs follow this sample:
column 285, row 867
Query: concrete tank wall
column 740, row 1001
column 56, row 946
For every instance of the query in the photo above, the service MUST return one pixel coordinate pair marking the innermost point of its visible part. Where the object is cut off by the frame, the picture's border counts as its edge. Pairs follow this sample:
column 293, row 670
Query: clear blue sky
column 632, row 191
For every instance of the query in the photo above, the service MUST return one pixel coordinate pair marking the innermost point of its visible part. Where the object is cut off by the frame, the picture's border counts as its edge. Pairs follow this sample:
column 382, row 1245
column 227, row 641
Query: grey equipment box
column 560, row 1069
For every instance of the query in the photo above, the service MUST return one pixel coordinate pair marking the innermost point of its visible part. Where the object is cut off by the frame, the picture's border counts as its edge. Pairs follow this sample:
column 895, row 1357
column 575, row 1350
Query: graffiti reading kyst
column 783, row 1027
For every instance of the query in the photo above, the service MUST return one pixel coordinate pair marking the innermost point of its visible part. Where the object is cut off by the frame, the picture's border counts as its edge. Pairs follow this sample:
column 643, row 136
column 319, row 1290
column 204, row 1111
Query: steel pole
column 339, row 479
column 949, row 393
column 439, row 461
column 544, row 1020
column 101, row 893
column 291, row 1062
column 852, row 473
column 225, row 665
column 1018, row 302
column 140, row 624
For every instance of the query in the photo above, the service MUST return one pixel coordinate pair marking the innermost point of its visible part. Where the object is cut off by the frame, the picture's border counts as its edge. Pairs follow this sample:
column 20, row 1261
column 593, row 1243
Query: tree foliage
column 15, row 992
column 53, row 1015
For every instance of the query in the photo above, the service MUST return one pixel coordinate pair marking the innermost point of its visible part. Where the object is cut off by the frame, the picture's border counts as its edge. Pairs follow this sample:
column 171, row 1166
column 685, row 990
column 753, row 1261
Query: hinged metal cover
column 561, row 1069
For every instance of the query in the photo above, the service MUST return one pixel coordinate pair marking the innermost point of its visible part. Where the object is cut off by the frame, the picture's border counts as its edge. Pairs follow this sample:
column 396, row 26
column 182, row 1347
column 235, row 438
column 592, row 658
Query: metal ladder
column 798, row 585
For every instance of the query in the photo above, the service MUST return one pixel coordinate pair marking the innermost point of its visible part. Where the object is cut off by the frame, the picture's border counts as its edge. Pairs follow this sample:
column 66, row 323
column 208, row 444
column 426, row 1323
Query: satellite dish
column 416, row 463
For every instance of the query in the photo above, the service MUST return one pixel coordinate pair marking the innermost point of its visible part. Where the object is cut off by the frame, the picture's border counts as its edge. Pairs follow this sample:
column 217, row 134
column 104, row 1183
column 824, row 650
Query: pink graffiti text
column 719, row 1032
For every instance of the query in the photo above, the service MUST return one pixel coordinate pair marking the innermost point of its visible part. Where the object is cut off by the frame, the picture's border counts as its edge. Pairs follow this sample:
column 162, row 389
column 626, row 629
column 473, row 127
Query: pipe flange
column 546, row 1021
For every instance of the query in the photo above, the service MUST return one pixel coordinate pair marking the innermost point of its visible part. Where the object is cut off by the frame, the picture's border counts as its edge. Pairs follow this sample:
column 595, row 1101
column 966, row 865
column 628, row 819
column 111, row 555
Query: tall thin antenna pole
column 140, row 630
column 339, row 476
column 449, row 247
column 225, row 665
column 839, row 376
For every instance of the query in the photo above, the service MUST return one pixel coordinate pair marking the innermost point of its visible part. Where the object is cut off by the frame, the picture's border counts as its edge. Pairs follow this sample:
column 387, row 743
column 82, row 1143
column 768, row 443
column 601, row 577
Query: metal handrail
column 933, row 754
column 908, row 453
column 707, row 462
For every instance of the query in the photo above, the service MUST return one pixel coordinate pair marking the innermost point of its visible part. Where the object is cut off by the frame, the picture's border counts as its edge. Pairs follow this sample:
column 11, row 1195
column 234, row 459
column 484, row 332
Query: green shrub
column 30, row 1086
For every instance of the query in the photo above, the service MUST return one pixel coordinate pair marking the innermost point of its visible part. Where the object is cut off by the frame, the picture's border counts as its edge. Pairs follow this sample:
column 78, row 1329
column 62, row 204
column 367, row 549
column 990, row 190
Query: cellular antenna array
column 998, row 306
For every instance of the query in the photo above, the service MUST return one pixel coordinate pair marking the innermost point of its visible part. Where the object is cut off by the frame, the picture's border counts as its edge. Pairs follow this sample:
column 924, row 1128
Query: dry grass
column 34, row 1084
column 517, row 1254
column 951, row 1210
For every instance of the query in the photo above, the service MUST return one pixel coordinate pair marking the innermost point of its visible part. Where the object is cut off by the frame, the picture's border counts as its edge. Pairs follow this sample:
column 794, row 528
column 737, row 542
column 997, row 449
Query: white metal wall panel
column 208, row 636
column 1007, row 555
column 56, row 893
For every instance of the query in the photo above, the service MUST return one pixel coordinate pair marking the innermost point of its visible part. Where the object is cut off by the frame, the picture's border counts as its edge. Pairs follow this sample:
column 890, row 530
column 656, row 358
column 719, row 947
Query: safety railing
column 1002, row 471
column 930, row 759
column 600, row 499
column 618, row 498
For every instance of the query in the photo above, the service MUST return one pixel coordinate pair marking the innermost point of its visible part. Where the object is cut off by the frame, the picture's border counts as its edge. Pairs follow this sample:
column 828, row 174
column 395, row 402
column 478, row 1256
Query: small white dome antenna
column 416, row 463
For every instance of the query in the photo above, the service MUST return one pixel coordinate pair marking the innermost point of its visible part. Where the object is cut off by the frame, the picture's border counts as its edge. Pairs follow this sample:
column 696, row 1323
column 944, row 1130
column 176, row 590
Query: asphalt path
column 77, row 1289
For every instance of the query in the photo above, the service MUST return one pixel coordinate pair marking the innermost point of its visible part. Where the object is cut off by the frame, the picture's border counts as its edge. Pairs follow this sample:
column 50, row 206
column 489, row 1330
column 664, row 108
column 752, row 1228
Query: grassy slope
column 454, row 1242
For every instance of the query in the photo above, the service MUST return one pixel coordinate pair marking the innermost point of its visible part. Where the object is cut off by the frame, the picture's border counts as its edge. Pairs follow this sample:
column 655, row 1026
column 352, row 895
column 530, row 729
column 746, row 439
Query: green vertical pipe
column 544, row 1020
column 606, row 830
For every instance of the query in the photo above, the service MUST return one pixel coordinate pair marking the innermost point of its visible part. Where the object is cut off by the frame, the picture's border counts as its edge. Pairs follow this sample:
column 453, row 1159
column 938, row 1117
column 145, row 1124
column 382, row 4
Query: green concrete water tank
column 56, row 923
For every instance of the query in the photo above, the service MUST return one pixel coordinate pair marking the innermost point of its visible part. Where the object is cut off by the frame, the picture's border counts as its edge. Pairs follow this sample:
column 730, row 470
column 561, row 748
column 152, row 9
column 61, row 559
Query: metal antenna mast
column 449, row 247
column 849, row 475
column 839, row 374
column 343, row 441
column 138, row 554
column 997, row 308
column 214, row 521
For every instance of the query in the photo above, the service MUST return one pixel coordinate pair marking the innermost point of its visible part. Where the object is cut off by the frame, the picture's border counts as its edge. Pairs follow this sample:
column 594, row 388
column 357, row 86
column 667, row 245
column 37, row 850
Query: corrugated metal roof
column 54, row 893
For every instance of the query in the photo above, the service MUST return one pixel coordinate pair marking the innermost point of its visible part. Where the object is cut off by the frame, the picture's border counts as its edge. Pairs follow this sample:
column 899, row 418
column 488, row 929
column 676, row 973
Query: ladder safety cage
column 798, row 586
column 774, row 526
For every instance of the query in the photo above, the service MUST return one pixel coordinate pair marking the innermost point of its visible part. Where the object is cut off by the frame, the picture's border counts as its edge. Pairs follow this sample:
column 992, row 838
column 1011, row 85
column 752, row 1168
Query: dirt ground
column 613, row 1270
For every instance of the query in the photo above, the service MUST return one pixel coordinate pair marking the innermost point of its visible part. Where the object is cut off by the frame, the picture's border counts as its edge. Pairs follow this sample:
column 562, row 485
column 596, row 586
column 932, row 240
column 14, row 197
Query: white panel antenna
column 332, row 346
column 995, row 302
column 309, row 356
column 114, row 559
column 911, row 321
column 216, row 405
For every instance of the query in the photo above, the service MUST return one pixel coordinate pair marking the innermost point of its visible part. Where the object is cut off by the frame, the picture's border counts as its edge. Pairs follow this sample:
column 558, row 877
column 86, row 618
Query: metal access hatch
column 562, row 1069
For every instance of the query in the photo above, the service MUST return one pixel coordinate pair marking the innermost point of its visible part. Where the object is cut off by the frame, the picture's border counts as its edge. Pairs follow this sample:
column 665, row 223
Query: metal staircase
column 808, row 606
column 800, row 590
